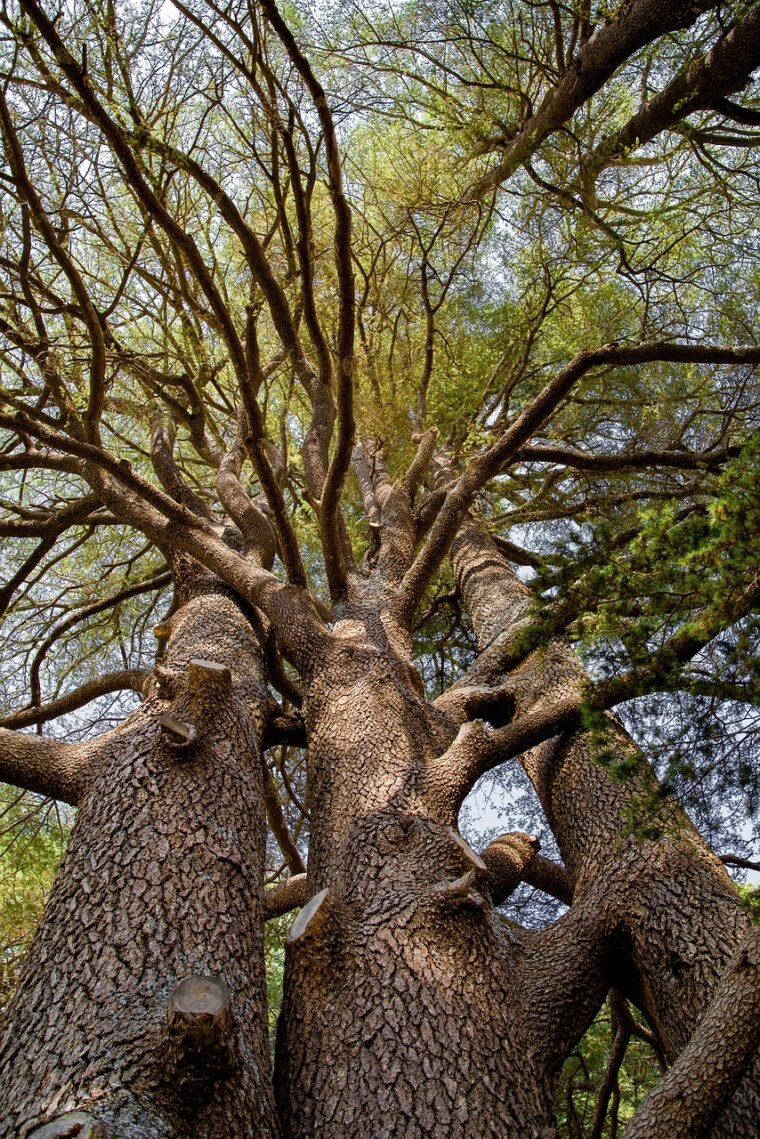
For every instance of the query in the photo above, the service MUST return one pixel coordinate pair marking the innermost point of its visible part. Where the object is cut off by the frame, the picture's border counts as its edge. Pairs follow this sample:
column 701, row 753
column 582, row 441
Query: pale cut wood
column 181, row 734
column 309, row 918
column 73, row 1123
column 470, row 854
column 200, row 1011
column 207, row 675
column 457, row 890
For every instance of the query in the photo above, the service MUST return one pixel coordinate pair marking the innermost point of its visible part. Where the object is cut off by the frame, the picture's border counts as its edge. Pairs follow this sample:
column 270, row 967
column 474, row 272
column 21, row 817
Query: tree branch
column 46, row 766
column 127, row 679
column 289, row 895
column 723, row 70
column 621, row 461
column 483, row 467
column 638, row 24
column 689, row 1099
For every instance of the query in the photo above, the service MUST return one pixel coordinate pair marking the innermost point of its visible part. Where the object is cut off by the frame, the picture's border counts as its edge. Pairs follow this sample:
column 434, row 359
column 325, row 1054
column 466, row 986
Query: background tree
column 395, row 375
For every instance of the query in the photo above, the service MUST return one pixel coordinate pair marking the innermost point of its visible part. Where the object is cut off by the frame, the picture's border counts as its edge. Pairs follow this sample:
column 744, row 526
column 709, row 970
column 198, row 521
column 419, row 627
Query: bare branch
column 638, row 24
column 622, row 461
column 689, row 1099
column 341, row 460
column 289, row 895
column 483, row 467
column 45, row 766
column 127, row 679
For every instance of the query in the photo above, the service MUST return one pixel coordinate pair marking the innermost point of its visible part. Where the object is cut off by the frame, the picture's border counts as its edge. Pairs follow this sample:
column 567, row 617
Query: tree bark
column 162, row 882
column 410, row 1008
column 679, row 921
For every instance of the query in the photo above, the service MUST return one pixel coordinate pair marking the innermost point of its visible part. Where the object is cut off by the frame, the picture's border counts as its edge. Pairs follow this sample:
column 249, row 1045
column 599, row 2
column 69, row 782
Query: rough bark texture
column 687, row 1102
column 410, row 1007
column 163, row 880
column 678, row 919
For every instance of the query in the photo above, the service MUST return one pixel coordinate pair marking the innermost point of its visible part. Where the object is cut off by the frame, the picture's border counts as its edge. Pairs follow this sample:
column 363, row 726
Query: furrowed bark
column 48, row 767
column 680, row 917
column 162, row 882
column 687, row 1102
column 436, row 1018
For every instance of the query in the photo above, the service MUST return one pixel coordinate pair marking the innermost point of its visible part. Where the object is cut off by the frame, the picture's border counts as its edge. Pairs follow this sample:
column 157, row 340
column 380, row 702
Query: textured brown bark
column 410, row 1008
column 678, row 919
column 163, row 880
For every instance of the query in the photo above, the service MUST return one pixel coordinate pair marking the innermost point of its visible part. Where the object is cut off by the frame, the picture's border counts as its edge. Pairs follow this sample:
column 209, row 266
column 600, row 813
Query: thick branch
column 740, row 861
column 45, row 766
column 701, row 85
column 253, row 524
column 638, row 24
column 289, row 895
column 689, row 1099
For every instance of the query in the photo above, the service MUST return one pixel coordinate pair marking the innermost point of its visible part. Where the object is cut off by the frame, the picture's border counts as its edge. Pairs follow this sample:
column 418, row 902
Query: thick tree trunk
column 162, row 882
column 410, row 1008
column 679, row 922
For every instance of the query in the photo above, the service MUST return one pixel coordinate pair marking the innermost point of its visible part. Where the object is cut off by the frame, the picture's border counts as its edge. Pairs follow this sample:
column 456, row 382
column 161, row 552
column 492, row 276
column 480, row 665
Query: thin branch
column 483, row 467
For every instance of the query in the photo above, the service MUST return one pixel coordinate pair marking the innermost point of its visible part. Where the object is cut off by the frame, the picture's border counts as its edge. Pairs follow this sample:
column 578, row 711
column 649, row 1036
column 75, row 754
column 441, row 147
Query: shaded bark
column 162, row 881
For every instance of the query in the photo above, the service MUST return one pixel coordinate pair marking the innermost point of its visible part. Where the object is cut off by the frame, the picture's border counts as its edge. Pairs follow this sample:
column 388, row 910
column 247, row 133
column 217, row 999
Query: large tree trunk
column 678, row 918
column 162, row 881
column 410, row 1008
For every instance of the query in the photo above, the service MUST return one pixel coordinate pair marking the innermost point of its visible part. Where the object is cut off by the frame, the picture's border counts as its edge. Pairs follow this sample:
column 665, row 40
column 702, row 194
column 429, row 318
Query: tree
column 328, row 331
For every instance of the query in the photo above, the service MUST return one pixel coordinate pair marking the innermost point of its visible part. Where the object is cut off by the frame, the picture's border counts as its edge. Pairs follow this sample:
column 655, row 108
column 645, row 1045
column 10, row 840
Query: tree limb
column 127, row 679
column 723, row 70
column 689, row 1099
column 638, row 24
column 46, row 766
column 289, row 895
column 483, row 467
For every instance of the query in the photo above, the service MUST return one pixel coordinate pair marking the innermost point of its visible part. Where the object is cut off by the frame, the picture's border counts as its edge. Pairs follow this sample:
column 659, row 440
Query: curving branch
column 638, row 24
column 253, row 524
column 485, row 466
column 97, row 389
column 153, row 583
column 724, row 69
column 127, row 679
column 689, row 1098
column 341, row 460
column 162, row 437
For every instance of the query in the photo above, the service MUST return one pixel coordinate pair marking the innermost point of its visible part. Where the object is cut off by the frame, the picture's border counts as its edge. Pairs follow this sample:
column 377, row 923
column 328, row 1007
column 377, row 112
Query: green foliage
column 33, row 836
column 583, row 1075
column 274, row 956
column 750, row 901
